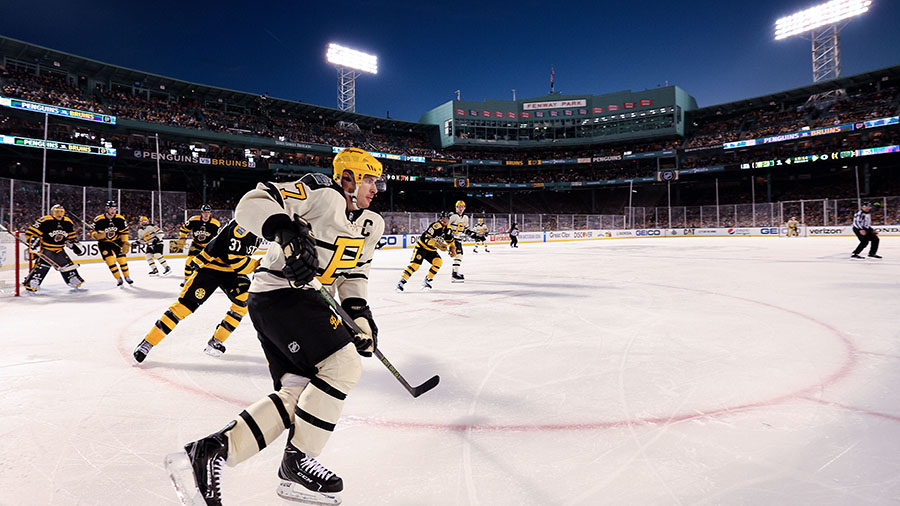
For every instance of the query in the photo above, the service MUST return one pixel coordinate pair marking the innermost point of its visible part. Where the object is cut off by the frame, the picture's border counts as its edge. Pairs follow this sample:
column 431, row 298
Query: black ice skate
column 458, row 278
column 214, row 348
column 196, row 471
column 119, row 281
column 154, row 272
column 873, row 255
column 141, row 352
column 128, row 280
column 856, row 255
column 426, row 284
column 400, row 285
column 304, row 479
column 166, row 270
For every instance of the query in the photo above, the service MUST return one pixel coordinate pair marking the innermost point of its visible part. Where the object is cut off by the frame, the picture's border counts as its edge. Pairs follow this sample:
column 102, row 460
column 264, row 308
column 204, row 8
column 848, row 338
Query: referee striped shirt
column 862, row 220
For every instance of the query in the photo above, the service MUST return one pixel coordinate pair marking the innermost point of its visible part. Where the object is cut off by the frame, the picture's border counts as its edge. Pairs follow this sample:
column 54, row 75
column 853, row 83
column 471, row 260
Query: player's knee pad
column 149, row 256
column 320, row 404
column 261, row 423
column 437, row 262
column 110, row 261
column 121, row 259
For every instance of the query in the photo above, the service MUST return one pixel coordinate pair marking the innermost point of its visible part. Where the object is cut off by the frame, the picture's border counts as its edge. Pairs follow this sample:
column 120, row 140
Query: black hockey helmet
column 444, row 214
column 866, row 204
column 111, row 203
column 205, row 208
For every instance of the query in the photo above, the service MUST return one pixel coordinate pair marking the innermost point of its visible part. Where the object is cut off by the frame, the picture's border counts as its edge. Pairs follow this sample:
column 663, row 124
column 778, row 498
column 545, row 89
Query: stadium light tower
column 350, row 63
column 823, row 23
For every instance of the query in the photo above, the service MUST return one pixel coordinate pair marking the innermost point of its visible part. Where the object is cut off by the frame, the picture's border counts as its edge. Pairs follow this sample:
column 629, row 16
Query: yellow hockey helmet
column 58, row 211
column 143, row 219
column 460, row 203
column 357, row 161
column 480, row 220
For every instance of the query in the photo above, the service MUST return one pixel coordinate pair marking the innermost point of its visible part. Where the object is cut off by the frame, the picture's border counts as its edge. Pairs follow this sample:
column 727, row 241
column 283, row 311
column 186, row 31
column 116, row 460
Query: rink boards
column 400, row 241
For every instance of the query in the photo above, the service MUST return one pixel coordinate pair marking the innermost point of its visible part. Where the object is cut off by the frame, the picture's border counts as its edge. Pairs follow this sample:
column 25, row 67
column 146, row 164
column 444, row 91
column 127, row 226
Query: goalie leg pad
column 320, row 405
column 36, row 276
column 260, row 424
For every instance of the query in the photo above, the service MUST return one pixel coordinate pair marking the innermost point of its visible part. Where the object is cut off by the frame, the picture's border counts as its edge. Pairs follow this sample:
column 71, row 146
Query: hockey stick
column 33, row 252
column 348, row 321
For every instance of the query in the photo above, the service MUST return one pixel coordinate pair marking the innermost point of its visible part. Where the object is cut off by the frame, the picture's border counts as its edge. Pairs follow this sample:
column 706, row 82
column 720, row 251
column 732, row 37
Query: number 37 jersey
column 345, row 241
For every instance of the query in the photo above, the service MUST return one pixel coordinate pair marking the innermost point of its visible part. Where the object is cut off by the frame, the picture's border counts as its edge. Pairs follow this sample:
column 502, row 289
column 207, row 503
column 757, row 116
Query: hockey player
column 47, row 236
column 434, row 238
column 459, row 226
column 318, row 227
column 201, row 228
column 480, row 229
column 862, row 227
column 224, row 263
column 152, row 238
column 514, row 236
column 111, row 233
column 793, row 227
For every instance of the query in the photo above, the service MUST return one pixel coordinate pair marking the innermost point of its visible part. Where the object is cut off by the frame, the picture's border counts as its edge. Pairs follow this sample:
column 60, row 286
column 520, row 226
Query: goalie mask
column 361, row 164
column 58, row 211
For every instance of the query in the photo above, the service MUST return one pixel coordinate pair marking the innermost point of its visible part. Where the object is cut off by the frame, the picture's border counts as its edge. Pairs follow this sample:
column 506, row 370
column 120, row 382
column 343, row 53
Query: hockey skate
column 196, row 471
column 426, row 284
column 303, row 479
column 214, row 348
column 154, row 272
column 167, row 270
column 141, row 352
column 119, row 281
column 458, row 278
column 856, row 255
column 400, row 284
column 475, row 250
column 873, row 255
column 129, row 280
column 486, row 250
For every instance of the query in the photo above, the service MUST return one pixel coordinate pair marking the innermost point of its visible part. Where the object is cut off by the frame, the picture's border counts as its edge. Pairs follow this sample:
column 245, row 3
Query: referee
column 862, row 227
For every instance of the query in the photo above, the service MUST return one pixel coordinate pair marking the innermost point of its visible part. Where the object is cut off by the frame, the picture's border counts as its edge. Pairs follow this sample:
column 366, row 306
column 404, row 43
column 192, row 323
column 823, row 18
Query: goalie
column 46, row 239
column 793, row 227
column 434, row 238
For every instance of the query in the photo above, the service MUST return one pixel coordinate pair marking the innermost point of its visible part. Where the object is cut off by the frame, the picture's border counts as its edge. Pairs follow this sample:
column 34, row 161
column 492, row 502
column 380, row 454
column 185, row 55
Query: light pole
column 822, row 24
column 350, row 63
column 158, row 181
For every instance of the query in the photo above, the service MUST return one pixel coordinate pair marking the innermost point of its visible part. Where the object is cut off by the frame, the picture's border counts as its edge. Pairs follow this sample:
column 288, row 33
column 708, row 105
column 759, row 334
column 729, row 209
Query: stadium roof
column 31, row 53
column 801, row 94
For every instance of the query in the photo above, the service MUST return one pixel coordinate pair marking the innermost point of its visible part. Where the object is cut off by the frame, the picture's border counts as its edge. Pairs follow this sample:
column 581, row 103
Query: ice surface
column 689, row 371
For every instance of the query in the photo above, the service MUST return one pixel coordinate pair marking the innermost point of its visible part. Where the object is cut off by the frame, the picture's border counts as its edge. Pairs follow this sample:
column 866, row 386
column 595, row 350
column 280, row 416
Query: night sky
column 717, row 51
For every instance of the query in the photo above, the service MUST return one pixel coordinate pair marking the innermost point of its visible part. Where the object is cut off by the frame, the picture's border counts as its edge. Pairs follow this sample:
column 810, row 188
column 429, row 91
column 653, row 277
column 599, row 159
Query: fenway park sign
column 558, row 104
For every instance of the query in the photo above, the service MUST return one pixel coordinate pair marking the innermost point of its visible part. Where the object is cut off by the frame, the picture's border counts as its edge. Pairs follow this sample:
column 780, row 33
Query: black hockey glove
column 77, row 248
column 300, row 257
column 367, row 340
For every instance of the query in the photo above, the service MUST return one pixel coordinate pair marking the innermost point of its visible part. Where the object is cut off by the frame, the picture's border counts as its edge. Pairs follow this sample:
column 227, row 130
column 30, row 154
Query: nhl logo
column 200, row 293
column 294, row 347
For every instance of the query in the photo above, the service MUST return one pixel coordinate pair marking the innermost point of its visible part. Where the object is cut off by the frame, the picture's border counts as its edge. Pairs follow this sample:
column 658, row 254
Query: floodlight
column 821, row 15
column 351, row 58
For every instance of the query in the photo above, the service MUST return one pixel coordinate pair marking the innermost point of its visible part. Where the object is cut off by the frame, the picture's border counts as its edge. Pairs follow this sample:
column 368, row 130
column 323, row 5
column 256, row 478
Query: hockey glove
column 367, row 340
column 126, row 247
column 98, row 235
column 77, row 248
column 300, row 256
column 176, row 246
column 452, row 249
column 440, row 244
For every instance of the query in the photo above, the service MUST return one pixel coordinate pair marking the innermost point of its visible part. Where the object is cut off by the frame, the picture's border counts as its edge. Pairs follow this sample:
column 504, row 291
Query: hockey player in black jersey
column 48, row 236
column 317, row 227
column 434, row 238
column 200, row 228
column 224, row 263
column 111, row 232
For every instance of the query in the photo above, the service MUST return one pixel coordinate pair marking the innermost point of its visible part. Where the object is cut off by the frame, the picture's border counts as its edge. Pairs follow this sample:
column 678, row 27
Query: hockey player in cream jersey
column 459, row 226
column 152, row 238
column 317, row 227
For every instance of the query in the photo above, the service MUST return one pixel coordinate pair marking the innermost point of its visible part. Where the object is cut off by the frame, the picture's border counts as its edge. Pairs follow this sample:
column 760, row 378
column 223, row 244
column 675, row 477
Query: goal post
column 12, row 268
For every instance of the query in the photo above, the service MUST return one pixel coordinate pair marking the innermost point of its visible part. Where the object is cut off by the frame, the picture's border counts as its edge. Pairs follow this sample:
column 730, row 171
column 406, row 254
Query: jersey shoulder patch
column 316, row 180
column 240, row 231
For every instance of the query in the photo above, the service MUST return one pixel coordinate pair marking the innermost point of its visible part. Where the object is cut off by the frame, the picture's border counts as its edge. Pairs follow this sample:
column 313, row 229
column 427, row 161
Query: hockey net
column 802, row 230
column 12, row 270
